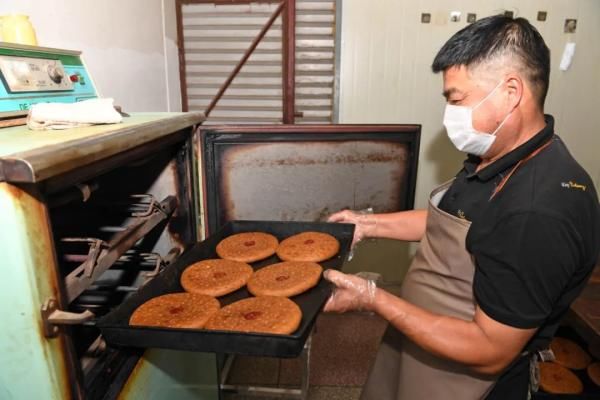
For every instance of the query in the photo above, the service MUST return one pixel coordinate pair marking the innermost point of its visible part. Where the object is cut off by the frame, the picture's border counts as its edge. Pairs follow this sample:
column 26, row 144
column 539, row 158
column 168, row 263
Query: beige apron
column 440, row 279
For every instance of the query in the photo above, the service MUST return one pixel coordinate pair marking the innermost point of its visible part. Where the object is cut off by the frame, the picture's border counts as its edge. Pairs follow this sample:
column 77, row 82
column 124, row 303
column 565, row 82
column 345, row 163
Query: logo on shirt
column 573, row 185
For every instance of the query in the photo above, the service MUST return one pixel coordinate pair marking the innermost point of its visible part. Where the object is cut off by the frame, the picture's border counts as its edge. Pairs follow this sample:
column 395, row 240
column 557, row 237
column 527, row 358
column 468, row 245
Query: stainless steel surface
column 33, row 156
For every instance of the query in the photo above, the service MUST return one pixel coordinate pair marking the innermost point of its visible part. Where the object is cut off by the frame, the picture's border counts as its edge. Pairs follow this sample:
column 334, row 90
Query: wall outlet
column 570, row 25
column 542, row 15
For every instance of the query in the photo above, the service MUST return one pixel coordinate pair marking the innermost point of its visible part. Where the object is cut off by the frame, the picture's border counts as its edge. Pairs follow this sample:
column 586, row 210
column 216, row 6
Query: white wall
column 385, row 74
column 129, row 46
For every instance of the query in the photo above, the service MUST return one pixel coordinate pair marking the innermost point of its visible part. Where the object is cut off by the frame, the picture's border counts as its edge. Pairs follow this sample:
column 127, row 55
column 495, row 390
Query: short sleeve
column 523, row 265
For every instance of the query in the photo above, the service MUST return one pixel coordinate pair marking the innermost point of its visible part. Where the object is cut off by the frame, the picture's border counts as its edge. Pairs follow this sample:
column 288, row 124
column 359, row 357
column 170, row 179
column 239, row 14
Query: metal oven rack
column 102, row 256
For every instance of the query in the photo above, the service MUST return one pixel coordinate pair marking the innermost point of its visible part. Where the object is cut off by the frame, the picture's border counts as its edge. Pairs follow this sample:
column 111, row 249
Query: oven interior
column 112, row 233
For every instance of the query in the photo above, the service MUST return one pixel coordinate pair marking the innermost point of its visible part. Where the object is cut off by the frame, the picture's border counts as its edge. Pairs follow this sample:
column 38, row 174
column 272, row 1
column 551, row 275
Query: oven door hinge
column 52, row 317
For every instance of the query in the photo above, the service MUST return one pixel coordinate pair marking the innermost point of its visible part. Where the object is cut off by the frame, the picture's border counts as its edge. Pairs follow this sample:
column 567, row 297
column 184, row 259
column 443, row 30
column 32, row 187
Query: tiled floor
column 314, row 393
column 343, row 349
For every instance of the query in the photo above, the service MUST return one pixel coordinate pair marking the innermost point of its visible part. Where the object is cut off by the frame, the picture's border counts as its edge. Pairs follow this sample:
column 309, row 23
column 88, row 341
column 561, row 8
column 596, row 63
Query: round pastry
column 215, row 277
column 265, row 314
column 176, row 310
column 593, row 371
column 557, row 379
column 569, row 354
column 247, row 246
column 308, row 246
column 286, row 279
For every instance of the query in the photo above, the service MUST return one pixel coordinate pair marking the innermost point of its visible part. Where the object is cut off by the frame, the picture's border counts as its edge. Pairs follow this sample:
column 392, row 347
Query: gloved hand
column 365, row 223
column 351, row 292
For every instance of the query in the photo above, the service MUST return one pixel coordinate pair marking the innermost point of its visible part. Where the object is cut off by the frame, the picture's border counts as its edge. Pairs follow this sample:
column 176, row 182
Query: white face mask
column 458, row 121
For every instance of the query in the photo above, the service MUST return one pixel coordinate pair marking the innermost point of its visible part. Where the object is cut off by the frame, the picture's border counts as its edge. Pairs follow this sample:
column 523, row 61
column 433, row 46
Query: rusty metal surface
column 180, row 177
column 245, row 57
column 304, row 173
column 181, row 54
column 314, row 128
column 309, row 181
column 180, row 39
column 77, row 281
column 30, row 276
column 30, row 156
column 52, row 317
column 289, row 61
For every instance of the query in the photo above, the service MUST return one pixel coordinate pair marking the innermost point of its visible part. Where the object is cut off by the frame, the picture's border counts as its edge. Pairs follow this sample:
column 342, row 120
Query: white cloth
column 70, row 115
column 567, row 56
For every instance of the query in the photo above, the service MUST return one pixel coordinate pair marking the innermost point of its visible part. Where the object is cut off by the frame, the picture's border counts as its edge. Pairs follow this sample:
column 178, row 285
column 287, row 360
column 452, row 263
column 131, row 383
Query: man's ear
column 515, row 87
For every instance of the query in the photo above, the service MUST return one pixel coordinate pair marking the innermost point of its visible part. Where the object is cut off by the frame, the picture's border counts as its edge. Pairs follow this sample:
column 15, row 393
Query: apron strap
column 500, row 185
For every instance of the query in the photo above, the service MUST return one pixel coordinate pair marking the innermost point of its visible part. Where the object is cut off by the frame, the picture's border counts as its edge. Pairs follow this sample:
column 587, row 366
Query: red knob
column 74, row 78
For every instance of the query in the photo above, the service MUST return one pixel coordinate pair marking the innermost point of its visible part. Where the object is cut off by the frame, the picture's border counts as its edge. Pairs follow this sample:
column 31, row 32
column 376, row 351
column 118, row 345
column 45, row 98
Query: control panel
column 24, row 74
column 32, row 74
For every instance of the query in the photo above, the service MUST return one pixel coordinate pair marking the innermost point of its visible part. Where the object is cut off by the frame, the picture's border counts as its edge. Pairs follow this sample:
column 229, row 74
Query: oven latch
column 52, row 317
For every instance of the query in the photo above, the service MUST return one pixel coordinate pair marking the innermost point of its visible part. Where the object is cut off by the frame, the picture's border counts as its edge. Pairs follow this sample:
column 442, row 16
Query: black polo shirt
column 535, row 242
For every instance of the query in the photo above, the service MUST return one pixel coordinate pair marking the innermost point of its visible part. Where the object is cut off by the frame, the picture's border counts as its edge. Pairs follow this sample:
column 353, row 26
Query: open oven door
column 307, row 172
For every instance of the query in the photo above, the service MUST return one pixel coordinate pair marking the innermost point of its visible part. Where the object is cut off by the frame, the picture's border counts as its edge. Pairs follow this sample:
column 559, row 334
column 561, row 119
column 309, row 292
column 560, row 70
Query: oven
column 90, row 215
column 93, row 216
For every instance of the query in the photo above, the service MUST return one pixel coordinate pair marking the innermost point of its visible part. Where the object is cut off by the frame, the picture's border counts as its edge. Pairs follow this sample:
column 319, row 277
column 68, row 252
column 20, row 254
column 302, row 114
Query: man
column 505, row 247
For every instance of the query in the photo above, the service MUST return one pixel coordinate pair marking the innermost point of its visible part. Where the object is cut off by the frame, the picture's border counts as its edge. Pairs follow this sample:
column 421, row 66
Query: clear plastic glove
column 351, row 293
column 364, row 220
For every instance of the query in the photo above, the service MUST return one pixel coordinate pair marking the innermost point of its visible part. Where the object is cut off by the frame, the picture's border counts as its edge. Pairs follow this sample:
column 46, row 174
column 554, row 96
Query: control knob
column 55, row 73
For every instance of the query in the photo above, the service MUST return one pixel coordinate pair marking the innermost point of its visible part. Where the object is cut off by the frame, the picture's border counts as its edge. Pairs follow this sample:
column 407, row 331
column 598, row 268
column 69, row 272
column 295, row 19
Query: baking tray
column 591, row 391
column 115, row 325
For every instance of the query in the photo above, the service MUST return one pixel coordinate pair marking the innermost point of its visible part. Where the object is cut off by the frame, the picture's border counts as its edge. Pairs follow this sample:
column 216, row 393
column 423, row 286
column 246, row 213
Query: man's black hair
column 497, row 35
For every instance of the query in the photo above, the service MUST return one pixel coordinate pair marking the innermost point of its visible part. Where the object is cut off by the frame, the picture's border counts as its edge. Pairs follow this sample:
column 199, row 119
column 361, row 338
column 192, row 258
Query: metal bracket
column 52, row 317
column 172, row 255
column 121, row 242
column 159, row 263
column 96, row 246
column 152, row 204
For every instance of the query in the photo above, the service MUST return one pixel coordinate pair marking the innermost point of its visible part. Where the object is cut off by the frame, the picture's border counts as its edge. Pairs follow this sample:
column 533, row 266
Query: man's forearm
column 446, row 337
column 403, row 225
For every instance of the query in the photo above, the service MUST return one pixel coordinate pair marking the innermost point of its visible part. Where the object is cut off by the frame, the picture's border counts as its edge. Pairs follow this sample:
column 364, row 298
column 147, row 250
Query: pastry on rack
column 569, row 354
column 556, row 379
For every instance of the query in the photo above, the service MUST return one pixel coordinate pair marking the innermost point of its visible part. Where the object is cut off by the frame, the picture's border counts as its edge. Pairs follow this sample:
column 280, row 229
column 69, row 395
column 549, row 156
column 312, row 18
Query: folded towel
column 70, row 115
